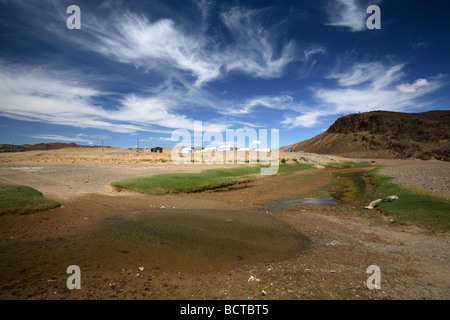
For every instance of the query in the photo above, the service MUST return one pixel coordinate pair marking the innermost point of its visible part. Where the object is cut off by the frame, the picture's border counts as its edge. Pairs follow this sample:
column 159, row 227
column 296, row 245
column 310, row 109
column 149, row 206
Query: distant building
column 198, row 149
column 186, row 150
column 157, row 149
column 226, row 147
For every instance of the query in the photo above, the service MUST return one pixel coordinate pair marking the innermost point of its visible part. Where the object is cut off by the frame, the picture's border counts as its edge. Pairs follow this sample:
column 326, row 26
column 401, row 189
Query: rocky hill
column 384, row 134
column 40, row 146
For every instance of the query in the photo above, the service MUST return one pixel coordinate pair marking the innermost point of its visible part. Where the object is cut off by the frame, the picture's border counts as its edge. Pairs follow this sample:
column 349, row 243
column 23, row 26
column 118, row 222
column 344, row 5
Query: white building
column 186, row 150
column 226, row 147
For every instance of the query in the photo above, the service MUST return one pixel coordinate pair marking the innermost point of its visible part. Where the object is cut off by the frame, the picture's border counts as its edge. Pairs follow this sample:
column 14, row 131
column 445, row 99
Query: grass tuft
column 294, row 167
column 210, row 179
column 23, row 200
column 420, row 207
column 348, row 164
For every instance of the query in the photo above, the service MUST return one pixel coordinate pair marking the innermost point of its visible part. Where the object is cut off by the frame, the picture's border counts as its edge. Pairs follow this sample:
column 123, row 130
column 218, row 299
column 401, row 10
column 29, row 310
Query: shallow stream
column 345, row 187
column 177, row 240
column 162, row 239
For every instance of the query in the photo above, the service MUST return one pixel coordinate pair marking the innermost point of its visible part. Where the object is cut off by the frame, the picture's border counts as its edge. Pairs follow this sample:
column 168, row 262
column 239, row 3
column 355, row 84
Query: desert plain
column 215, row 244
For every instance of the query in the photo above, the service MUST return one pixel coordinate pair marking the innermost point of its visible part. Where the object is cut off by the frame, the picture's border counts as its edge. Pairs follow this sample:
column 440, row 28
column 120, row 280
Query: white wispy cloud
column 374, row 72
column 363, row 87
column 205, row 7
column 257, row 103
column 159, row 139
column 307, row 120
column 38, row 94
column 375, row 89
column 313, row 50
column 347, row 13
column 164, row 46
column 185, row 61
column 370, row 86
column 414, row 87
column 156, row 110
column 78, row 138
column 254, row 51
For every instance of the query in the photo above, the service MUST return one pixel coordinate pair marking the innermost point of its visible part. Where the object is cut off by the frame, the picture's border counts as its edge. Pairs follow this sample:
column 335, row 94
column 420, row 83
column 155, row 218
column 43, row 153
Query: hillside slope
column 40, row 146
column 384, row 134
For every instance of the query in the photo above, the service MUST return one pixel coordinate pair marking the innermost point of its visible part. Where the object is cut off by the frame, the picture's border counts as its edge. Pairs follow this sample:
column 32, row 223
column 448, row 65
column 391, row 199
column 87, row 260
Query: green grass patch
column 422, row 208
column 348, row 164
column 187, row 182
column 210, row 179
column 294, row 167
column 23, row 200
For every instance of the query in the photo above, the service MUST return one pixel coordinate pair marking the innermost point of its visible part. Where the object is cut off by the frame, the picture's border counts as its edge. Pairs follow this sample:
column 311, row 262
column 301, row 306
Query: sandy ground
column 343, row 243
column 61, row 180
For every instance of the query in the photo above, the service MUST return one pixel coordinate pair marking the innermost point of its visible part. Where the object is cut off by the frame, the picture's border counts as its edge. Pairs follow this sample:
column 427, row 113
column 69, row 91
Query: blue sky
column 142, row 69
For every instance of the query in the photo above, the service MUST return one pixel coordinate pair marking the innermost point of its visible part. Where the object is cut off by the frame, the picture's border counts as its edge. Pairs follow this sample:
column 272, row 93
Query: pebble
column 429, row 175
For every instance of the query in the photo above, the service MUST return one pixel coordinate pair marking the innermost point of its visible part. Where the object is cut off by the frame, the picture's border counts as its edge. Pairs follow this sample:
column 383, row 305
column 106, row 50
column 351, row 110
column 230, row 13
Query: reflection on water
column 165, row 239
column 345, row 187
column 320, row 198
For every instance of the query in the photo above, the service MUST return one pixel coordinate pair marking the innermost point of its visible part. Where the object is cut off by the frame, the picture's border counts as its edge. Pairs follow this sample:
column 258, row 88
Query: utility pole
column 102, row 145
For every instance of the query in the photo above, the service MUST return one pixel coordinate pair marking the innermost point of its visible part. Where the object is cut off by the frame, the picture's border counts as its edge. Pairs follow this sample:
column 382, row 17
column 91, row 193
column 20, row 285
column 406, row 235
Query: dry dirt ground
column 343, row 243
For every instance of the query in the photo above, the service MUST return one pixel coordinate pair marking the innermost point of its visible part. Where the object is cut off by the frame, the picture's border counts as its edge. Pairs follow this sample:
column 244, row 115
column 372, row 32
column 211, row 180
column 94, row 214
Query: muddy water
column 345, row 187
column 169, row 240
column 177, row 240
column 320, row 198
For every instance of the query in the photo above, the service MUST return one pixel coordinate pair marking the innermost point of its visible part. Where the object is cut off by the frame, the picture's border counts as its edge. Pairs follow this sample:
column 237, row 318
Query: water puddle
column 321, row 198
column 345, row 187
column 164, row 239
